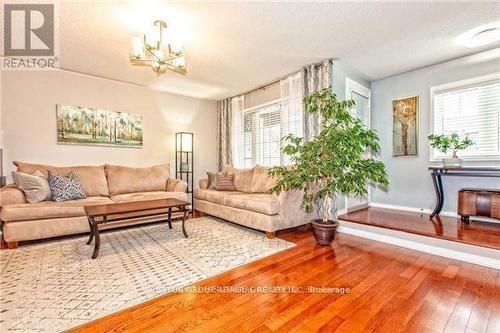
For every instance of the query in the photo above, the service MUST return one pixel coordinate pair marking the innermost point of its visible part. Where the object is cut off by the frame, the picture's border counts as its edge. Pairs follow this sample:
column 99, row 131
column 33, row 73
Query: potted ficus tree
column 333, row 163
column 453, row 142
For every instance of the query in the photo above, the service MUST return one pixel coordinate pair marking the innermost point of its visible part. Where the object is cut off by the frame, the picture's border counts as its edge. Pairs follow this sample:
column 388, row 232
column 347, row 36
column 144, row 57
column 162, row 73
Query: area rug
column 54, row 286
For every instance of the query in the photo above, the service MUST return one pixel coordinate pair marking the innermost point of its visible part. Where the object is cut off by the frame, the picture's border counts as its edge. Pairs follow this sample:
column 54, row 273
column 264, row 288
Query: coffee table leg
column 97, row 243
column 170, row 218
column 91, row 236
column 184, row 223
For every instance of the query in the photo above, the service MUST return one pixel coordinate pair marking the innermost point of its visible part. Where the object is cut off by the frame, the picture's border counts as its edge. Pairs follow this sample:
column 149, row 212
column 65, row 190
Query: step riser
column 464, row 252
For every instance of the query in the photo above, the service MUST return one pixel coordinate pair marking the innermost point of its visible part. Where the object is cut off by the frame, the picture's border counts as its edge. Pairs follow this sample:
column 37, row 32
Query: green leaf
column 334, row 162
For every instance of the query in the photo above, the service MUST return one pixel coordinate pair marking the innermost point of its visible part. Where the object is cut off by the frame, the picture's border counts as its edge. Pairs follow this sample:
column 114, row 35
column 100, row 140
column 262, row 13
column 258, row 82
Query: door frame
column 353, row 86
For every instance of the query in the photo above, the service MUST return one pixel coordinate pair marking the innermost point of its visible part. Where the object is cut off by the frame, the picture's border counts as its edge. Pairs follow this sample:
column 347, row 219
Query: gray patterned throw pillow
column 64, row 188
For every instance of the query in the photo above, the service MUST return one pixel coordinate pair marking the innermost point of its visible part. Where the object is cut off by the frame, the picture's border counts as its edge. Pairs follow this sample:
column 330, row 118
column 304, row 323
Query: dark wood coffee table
column 118, row 212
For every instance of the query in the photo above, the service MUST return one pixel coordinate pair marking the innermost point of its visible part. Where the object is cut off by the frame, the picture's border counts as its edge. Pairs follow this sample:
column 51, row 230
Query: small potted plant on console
column 335, row 162
column 453, row 142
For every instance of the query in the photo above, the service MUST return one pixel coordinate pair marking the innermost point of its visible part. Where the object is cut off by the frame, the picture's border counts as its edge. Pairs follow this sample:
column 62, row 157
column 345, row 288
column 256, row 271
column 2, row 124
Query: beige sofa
column 251, row 205
column 23, row 221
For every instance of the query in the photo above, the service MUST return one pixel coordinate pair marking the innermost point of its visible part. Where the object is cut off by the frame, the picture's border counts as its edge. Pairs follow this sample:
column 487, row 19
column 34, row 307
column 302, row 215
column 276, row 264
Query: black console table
column 465, row 171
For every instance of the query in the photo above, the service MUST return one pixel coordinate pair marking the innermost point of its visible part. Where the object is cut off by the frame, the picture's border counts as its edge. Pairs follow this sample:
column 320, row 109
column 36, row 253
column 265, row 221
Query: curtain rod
column 264, row 86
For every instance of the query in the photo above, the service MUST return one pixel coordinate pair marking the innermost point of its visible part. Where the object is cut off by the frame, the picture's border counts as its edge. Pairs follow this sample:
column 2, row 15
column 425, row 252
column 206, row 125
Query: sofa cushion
column 49, row 209
column 123, row 179
column 93, row 178
column 213, row 195
column 242, row 178
column 258, row 202
column 261, row 181
column 141, row 196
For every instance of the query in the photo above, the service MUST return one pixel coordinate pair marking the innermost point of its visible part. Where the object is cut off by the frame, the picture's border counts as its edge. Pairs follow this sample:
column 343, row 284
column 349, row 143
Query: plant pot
column 452, row 162
column 324, row 233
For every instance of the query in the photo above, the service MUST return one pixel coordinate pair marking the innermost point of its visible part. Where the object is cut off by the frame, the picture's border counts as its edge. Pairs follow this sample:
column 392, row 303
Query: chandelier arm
column 147, row 48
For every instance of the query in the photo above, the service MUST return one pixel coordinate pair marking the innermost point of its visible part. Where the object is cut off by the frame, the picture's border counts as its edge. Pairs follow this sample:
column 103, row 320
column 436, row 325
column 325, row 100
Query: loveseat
column 22, row 221
column 252, row 205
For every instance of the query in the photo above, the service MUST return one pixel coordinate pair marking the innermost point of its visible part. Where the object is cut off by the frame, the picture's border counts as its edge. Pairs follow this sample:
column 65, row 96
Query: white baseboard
column 448, row 249
column 428, row 211
column 411, row 209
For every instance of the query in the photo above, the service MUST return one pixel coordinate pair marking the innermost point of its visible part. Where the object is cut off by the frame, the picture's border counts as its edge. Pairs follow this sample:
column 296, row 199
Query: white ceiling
column 233, row 47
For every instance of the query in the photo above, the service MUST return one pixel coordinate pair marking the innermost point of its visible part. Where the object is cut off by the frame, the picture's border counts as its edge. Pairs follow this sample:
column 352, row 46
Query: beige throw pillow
column 35, row 187
column 242, row 178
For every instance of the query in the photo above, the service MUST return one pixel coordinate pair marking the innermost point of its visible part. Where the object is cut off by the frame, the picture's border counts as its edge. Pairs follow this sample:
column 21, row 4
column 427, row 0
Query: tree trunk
column 326, row 209
column 404, row 138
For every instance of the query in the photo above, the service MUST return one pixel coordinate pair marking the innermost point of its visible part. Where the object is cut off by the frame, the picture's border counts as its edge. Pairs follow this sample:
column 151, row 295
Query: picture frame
column 405, row 126
column 77, row 125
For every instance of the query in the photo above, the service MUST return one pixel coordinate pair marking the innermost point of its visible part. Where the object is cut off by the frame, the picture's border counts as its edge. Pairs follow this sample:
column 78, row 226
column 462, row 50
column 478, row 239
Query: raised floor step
column 477, row 242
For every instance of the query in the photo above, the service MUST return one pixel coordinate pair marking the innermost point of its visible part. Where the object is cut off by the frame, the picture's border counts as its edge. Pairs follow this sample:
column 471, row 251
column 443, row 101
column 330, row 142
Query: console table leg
column 438, row 188
column 441, row 191
column 184, row 223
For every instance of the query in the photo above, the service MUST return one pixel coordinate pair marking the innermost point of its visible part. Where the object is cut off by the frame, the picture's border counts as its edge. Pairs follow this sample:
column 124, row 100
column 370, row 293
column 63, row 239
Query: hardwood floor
column 476, row 233
column 392, row 290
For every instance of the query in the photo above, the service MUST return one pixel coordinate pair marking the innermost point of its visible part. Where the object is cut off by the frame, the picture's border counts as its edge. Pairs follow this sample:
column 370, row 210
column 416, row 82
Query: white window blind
column 263, row 128
column 258, row 130
column 471, row 110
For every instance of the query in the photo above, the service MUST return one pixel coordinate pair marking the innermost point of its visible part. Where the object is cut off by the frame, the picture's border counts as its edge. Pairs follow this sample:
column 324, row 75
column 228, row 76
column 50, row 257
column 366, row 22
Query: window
column 470, row 108
column 263, row 128
column 261, row 119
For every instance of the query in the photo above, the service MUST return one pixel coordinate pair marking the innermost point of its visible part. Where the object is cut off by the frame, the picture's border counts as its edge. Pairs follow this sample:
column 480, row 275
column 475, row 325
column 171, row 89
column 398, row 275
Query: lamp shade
column 184, row 141
column 137, row 47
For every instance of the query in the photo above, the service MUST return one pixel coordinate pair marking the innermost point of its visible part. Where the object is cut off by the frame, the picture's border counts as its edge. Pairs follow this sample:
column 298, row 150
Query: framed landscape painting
column 405, row 126
column 78, row 125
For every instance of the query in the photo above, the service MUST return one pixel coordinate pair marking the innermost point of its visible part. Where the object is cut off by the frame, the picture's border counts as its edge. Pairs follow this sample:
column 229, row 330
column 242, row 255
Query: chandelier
column 160, row 55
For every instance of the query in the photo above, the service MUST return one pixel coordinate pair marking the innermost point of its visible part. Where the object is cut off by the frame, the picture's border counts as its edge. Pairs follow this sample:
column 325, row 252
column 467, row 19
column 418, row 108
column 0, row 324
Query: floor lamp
column 184, row 161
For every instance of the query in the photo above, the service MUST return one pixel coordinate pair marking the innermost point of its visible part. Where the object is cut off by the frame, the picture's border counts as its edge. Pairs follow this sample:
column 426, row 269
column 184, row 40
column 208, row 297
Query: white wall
column 341, row 71
column 410, row 181
column 29, row 101
column 2, row 172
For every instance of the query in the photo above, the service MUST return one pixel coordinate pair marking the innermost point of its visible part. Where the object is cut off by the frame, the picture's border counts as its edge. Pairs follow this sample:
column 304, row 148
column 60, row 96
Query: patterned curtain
column 316, row 77
column 224, row 126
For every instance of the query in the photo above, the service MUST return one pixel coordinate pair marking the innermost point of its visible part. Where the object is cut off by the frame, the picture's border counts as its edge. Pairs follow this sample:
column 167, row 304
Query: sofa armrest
column 10, row 195
column 290, row 212
column 203, row 184
column 176, row 185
